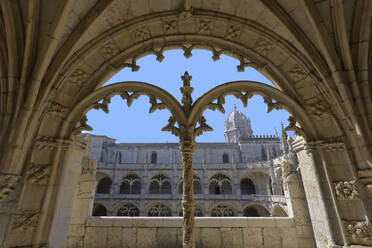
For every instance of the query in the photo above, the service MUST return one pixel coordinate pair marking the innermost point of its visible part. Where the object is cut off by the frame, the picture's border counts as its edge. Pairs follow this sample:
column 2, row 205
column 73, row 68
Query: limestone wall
column 215, row 232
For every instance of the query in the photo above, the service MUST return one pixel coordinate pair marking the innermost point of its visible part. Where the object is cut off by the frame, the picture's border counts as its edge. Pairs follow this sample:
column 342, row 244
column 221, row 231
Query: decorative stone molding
column 329, row 144
column 109, row 49
column 50, row 143
column 319, row 109
column 170, row 26
column 78, row 76
column 142, row 34
column 56, row 107
column 297, row 73
column 26, row 219
column 263, row 46
column 7, row 185
column 82, row 126
column 204, row 27
column 233, row 32
column 244, row 63
column 38, row 173
column 272, row 105
column 358, row 231
column 346, row 190
column 292, row 126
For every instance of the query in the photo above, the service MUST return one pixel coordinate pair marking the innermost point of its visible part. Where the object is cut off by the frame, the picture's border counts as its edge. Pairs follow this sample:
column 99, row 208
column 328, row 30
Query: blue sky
column 135, row 124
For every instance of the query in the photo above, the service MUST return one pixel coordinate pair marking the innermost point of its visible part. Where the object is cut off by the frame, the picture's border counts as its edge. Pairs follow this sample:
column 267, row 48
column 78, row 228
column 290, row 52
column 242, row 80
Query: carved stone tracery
column 7, row 185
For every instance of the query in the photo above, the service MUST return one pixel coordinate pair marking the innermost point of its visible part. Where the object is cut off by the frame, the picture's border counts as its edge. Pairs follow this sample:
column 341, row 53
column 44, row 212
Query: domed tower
column 237, row 127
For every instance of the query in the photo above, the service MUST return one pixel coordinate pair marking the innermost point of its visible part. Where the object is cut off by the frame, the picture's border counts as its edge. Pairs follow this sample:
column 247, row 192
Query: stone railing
column 227, row 232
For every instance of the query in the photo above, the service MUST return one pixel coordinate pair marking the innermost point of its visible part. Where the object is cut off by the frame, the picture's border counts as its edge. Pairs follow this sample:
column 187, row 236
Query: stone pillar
column 67, row 185
column 188, row 204
column 83, row 203
column 323, row 219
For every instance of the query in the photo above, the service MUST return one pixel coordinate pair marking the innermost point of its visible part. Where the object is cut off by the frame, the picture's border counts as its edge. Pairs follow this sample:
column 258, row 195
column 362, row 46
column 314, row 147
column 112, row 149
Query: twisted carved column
column 188, row 204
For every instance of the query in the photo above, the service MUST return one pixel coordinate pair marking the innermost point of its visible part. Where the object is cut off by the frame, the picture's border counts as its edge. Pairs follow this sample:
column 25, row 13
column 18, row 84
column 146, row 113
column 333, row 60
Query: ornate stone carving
column 133, row 65
column 233, row 32
column 47, row 142
column 218, row 105
column 141, row 34
column 203, row 127
column 186, row 91
column 109, row 49
column 318, row 109
column 263, row 46
column 26, row 219
column 103, row 104
column 57, row 108
column 78, row 76
column 204, row 27
column 170, row 127
column 358, row 231
column 38, row 173
column 297, row 73
column 346, row 190
column 159, row 54
column 170, row 26
column 187, row 50
column 329, row 144
column 243, row 97
column 243, row 64
column 272, row 105
column 292, row 126
column 130, row 98
column 7, row 185
column 82, row 126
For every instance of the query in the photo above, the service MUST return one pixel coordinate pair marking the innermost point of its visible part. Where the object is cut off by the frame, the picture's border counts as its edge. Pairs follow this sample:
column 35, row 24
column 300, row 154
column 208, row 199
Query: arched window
column 160, row 184
column 104, row 186
column 256, row 211
column 222, row 210
column 219, row 185
column 159, row 210
column 196, row 184
column 128, row 209
column 197, row 211
column 247, row 187
column 99, row 210
column 131, row 184
column 154, row 157
column 225, row 158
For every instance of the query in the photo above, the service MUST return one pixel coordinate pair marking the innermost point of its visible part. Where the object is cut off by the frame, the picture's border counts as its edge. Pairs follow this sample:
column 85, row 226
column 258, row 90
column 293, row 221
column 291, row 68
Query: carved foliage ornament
column 292, row 126
column 358, row 231
column 39, row 173
column 170, row 26
column 346, row 190
column 7, row 185
column 26, row 219
column 233, row 32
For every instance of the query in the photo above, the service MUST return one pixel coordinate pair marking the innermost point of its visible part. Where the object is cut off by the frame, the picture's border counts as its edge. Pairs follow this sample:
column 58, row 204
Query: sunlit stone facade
column 234, row 178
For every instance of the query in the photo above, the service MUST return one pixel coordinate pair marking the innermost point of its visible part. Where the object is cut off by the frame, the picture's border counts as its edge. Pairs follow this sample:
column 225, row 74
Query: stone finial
column 186, row 91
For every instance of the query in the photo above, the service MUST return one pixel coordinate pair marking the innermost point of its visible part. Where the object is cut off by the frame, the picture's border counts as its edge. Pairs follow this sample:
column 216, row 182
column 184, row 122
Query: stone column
column 324, row 224
column 83, row 203
column 188, row 204
column 67, row 185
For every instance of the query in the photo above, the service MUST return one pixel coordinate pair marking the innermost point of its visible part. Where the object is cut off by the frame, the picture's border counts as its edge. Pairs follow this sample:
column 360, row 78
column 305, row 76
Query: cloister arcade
column 55, row 55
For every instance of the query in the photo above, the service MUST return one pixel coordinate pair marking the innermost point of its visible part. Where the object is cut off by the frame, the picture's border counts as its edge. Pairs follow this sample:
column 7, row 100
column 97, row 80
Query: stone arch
column 131, row 184
column 158, row 209
column 104, row 184
column 99, row 210
column 247, row 187
column 278, row 211
column 126, row 209
column 220, row 184
column 255, row 210
column 160, row 184
column 222, row 209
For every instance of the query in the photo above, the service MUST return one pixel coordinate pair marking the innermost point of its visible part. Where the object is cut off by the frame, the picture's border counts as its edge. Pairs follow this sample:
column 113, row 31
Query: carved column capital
column 358, row 232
